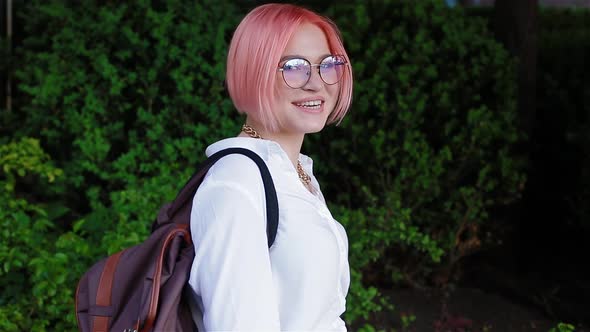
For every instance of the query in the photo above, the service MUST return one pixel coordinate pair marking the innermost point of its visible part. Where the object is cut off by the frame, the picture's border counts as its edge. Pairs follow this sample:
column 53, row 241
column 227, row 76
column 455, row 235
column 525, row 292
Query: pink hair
column 254, row 54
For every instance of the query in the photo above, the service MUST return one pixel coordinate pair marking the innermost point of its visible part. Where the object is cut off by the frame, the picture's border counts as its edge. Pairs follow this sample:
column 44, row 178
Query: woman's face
column 305, row 109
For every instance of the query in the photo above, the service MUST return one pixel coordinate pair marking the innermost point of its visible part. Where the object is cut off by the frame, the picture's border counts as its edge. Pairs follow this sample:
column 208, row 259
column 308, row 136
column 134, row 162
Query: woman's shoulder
column 234, row 169
column 237, row 169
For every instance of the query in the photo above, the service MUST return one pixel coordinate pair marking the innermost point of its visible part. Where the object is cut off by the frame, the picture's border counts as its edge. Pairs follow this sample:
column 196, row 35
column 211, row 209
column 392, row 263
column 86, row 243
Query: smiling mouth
column 310, row 105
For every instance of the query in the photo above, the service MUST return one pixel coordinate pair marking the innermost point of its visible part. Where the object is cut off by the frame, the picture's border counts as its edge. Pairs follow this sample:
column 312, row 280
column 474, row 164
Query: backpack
column 142, row 288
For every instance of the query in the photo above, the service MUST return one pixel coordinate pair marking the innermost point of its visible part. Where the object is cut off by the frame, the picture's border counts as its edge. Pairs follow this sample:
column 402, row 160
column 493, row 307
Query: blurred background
column 461, row 173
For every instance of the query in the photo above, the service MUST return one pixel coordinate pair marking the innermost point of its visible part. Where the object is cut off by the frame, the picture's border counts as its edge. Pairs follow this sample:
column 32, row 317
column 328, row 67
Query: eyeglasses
column 297, row 72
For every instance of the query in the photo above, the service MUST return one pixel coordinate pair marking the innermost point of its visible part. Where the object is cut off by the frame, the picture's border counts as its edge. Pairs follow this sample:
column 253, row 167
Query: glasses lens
column 331, row 69
column 296, row 72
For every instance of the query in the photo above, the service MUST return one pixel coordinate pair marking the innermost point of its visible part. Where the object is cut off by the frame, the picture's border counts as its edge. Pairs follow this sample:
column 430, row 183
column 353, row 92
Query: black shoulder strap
column 190, row 188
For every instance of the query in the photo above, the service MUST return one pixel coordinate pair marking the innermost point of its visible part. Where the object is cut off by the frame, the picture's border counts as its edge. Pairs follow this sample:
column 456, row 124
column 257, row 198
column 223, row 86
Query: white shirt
column 300, row 284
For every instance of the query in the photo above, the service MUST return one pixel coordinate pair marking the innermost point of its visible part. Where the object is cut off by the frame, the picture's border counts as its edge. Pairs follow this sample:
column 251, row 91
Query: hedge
column 116, row 103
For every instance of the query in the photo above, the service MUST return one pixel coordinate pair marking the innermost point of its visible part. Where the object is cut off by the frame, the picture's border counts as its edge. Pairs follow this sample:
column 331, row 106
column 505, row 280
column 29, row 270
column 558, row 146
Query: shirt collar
column 263, row 147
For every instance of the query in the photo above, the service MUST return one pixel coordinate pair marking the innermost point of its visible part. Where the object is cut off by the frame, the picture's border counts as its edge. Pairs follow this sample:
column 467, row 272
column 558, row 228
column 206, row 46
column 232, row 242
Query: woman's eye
column 294, row 67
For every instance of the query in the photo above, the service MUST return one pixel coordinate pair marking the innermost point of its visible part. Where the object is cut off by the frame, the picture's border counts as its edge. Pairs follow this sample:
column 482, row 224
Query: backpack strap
column 190, row 188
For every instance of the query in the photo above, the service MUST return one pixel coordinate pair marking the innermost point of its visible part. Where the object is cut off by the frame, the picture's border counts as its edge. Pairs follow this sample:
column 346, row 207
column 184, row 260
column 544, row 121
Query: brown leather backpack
column 144, row 288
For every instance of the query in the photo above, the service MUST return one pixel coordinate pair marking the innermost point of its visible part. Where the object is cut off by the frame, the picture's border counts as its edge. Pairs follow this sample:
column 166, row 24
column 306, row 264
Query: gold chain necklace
column 306, row 179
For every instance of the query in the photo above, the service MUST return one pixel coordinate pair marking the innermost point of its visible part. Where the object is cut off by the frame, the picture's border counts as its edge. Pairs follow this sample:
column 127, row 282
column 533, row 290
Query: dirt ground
column 466, row 310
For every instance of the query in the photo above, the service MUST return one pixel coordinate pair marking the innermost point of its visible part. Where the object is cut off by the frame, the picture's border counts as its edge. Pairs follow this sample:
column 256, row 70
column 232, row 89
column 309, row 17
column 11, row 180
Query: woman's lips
column 312, row 105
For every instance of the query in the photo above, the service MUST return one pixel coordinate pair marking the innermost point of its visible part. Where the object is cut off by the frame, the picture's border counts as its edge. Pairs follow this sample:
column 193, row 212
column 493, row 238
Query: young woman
column 287, row 70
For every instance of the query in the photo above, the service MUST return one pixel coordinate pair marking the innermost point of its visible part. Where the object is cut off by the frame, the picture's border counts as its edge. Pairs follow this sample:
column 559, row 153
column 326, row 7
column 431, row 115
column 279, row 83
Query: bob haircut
column 255, row 52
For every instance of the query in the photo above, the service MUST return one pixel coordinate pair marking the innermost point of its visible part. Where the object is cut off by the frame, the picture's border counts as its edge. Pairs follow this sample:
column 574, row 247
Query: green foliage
column 113, row 86
column 563, row 327
column 125, row 98
column 368, row 328
column 32, row 273
column 19, row 159
column 426, row 151
column 371, row 230
column 407, row 320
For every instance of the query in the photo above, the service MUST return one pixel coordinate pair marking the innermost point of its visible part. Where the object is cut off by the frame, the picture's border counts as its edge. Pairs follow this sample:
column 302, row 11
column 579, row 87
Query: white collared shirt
column 300, row 284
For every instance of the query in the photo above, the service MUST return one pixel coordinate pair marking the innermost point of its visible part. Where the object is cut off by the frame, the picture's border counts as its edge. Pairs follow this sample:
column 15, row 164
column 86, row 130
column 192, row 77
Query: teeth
column 311, row 103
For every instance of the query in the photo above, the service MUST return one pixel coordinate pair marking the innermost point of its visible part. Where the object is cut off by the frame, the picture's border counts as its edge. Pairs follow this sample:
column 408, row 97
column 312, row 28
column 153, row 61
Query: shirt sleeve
column 231, row 272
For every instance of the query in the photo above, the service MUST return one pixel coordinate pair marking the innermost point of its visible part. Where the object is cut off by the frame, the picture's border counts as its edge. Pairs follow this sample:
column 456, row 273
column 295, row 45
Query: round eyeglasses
column 297, row 71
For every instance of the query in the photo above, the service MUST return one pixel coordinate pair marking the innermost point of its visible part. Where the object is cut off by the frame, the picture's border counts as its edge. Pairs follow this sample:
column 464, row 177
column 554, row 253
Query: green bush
column 563, row 327
column 125, row 98
column 426, row 151
column 31, row 273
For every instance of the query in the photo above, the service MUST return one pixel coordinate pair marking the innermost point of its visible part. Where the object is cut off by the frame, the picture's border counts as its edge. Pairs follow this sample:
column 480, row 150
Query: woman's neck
column 291, row 143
